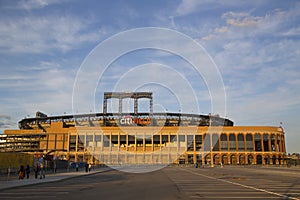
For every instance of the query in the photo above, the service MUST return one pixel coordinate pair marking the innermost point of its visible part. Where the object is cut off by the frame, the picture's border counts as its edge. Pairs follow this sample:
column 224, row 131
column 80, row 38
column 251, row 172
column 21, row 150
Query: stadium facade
column 146, row 138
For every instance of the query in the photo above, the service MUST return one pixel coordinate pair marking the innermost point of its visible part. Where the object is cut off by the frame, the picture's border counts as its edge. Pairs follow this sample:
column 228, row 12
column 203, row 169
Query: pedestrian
column 36, row 170
column 90, row 167
column 27, row 170
column 54, row 166
column 21, row 172
column 77, row 167
column 42, row 167
column 86, row 167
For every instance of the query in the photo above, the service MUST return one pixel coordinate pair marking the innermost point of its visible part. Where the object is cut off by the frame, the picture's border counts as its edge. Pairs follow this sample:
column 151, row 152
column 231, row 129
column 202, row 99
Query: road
column 170, row 183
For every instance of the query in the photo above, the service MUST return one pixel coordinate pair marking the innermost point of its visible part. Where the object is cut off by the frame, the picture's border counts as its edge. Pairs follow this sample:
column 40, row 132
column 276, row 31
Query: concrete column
column 120, row 105
column 219, row 141
column 144, row 144
column 119, row 141
column 262, row 142
column 203, row 158
column 194, row 143
column 136, row 106
column 236, row 143
column 126, row 142
column 228, row 142
column 104, row 106
column 186, row 158
column 135, row 146
column 253, row 141
column 152, row 144
column 151, row 106
column 245, row 144
column 160, row 140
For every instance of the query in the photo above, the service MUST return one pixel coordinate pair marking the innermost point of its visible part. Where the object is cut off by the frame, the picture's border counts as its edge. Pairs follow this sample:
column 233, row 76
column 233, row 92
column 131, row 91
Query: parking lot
column 172, row 182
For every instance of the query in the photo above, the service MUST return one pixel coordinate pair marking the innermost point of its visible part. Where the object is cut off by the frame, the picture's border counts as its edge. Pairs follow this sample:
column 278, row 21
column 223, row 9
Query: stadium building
column 145, row 138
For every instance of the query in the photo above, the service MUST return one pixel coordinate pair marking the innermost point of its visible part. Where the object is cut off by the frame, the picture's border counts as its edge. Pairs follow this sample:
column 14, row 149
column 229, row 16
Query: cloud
column 258, row 56
column 43, row 34
column 45, row 86
column 6, row 122
column 43, row 65
column 188, row 6
column 35, row 4
column 241, row 19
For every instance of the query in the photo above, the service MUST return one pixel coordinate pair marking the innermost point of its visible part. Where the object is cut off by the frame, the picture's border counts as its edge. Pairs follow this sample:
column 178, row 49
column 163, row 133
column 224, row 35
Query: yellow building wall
column 14, row 160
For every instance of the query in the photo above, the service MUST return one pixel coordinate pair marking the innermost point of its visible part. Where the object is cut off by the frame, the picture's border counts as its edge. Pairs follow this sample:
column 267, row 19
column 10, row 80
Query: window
column 257, row 141
column 249, row 142
column 232, row 142
column 241, row 145
column 215, row 142
column 224, row 143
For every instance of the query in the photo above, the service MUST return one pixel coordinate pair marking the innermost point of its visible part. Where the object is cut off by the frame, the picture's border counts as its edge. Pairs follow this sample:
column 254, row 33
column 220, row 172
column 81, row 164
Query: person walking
column 77, row 166
column 42, row 167
column 36, row 170
column 27, row 171
column 90, row 167
column 86, row 167
column 21, row 172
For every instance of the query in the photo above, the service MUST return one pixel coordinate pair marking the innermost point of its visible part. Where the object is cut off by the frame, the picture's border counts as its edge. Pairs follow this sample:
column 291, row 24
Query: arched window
column 233, row 159
column 242, row 159
column 249, row 142
column 257, row 140
column 241, row 144
column 215, row 142
column 274, row 159
column 207, row 146
column 250, row 159
column 232, row 142
column 266, row 142
column 273, row 145
column 224, row 143
column 224, row 159
column 259, row 159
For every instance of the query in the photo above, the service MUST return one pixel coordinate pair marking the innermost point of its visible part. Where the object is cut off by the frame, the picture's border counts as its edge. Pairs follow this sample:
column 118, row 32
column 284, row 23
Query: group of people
column 39, row 169
column 24, row 172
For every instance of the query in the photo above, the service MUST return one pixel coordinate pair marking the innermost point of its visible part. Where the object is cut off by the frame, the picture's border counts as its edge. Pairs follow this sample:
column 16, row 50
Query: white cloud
column 35, row 4
column 188, row 6
column 43, row 34
column 258, row 57
column 45, row 86
column 241, row 19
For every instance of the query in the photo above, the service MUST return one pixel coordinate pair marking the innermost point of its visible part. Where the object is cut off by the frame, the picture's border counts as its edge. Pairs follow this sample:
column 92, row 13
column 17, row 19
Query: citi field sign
column 127, row 120
column 130, row 121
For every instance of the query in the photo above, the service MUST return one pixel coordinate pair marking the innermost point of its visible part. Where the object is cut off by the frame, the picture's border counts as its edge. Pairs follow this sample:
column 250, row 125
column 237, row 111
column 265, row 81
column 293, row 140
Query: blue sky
column 254, row 44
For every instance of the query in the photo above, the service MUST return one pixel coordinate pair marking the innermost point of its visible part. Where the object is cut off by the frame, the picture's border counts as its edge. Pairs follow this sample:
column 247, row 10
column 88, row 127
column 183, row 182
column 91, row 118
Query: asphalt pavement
column 172, row 182
column 13, row 181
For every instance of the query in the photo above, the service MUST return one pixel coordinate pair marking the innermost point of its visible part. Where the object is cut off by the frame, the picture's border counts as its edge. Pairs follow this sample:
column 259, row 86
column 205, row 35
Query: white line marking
column 245, row 186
